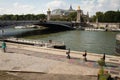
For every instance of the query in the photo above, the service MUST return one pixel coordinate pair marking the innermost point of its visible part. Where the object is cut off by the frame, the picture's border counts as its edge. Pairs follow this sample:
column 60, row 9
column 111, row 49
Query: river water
column 96, row 42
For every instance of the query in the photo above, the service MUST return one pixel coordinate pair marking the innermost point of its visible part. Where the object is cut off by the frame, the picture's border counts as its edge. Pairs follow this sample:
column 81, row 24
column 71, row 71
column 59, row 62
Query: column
column 87, row 17
column 78, row 15
column 48, row 15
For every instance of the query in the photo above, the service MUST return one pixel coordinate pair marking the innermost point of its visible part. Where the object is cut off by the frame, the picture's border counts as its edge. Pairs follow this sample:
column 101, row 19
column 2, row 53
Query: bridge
column 55, row 25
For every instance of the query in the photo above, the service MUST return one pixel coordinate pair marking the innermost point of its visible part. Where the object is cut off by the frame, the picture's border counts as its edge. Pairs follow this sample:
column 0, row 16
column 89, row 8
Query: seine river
column 96, row 42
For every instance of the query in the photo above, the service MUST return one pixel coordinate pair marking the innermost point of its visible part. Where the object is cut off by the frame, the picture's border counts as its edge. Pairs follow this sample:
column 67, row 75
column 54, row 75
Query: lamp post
column 2, row 33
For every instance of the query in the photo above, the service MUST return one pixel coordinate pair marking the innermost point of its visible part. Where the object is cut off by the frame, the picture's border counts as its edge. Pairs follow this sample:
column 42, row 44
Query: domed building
column 61, row 12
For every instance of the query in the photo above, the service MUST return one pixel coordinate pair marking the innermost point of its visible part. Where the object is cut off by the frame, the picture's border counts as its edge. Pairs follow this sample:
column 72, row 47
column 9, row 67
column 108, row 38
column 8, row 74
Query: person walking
column 84, row 55
column 4, row 46
column 68, row 54
column 104, row 56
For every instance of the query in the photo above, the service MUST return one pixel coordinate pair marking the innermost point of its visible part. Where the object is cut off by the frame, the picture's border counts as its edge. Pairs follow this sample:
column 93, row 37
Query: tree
column 93, row 18
column 72, row 16
column 41, row 16
column 117, row 16
column 100, row 16
column 109, row 16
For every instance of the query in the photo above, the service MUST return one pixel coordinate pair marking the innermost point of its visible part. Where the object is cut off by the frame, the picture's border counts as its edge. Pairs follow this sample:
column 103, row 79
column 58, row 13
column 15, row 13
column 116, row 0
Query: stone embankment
column 27, row 58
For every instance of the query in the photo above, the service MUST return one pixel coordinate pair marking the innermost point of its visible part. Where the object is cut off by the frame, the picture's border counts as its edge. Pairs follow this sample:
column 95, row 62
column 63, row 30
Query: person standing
column 4, row 46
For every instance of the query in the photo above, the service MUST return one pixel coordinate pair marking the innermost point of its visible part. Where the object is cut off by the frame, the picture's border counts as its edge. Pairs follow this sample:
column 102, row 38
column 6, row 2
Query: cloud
column 92, row 6
column 17, row 8
column 55, row 4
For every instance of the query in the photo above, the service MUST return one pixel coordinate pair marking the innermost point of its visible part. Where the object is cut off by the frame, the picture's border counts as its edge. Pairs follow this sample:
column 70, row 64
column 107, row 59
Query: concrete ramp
column 27, row 63
column 21, row 62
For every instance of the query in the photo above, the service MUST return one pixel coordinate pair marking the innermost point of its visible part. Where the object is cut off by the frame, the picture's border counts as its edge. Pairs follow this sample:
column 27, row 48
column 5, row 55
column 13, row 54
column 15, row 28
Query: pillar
column 78, row 15
column 48, row 15
column 97, row 24
column 87, row 17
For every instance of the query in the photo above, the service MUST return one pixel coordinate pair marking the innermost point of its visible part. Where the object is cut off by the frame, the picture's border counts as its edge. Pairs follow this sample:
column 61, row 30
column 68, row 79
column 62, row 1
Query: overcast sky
column 41, row 6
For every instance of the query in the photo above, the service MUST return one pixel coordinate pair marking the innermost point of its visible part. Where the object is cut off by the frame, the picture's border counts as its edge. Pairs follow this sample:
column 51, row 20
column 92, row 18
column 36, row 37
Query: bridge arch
column 56, row 25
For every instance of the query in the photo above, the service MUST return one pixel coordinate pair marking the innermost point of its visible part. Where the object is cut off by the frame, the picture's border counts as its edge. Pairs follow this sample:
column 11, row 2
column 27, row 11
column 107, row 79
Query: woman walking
column 4, row 46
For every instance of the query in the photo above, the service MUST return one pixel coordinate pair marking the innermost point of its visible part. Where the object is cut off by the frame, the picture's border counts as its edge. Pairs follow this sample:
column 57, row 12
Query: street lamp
column 2, row 33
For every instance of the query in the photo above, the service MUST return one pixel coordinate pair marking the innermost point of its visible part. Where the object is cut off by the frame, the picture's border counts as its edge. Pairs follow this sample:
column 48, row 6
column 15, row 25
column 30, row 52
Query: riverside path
column 46, row 60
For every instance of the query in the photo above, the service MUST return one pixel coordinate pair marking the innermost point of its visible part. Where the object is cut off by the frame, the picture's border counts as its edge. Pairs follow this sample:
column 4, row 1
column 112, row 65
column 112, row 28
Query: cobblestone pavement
column 114, row 68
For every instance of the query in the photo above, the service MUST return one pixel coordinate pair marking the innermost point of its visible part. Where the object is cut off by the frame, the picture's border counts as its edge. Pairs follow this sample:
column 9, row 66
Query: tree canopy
column 108, row 16
column 22, row 17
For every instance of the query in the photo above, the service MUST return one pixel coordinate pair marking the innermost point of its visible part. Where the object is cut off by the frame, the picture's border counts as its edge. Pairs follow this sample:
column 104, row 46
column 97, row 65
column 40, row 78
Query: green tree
column 117, row 16
column 72, row 16
column 93, row 18
column 109, row 16
column 100, row 16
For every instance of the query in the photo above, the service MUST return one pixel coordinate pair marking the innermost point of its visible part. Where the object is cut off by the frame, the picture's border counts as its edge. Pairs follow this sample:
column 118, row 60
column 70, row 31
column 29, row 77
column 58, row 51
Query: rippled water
column 96, row 42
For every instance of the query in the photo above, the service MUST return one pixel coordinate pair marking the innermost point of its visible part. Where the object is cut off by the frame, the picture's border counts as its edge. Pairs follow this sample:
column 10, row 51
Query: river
column 95, row 42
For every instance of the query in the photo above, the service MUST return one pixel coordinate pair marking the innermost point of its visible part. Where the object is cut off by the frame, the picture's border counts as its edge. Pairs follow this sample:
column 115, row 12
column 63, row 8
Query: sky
column 41, row 6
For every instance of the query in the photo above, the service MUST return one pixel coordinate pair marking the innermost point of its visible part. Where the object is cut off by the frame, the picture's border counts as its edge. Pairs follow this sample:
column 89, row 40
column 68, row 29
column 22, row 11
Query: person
column 4, row 46
column 50, row 41
column 84, row 55
column 115, row 78
column 104, row 56
column 68, row 54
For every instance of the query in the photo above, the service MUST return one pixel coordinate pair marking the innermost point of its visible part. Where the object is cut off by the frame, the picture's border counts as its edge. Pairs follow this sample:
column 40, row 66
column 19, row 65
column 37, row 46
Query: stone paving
column 29, row 58
column 62, row 58
column 112, row 67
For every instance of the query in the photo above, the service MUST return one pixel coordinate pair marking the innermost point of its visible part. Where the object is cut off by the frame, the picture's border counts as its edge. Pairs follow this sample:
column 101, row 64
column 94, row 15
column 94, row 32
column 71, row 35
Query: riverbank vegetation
column 22, row 17
column 108, row 16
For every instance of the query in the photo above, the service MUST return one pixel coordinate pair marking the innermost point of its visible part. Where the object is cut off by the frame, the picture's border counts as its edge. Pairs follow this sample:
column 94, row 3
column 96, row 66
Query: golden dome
column 48, row 9
column 78, row 7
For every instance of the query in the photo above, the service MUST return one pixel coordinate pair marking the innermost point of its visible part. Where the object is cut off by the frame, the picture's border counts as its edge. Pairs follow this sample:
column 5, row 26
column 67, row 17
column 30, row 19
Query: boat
column 31, row 26
column 93, row 29
column 19, row 27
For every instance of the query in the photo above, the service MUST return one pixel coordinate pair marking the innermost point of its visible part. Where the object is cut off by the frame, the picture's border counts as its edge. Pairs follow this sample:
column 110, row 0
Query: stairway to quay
column 21, row 60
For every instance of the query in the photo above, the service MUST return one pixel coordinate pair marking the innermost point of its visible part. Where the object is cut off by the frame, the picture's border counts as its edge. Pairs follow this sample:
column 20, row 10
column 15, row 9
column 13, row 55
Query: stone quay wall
column 104, row 25
column 118, row 44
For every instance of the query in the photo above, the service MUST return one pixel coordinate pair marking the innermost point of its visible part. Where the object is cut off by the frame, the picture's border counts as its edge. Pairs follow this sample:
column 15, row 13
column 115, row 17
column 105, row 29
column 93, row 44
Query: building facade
column 80, row 17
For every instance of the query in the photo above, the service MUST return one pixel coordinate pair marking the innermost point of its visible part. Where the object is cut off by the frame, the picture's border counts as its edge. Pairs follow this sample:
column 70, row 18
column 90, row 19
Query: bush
column 101, row 62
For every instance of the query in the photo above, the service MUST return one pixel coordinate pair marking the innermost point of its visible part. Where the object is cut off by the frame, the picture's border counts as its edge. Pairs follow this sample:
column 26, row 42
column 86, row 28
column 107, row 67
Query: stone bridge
column 16, row 23
column 61, row 25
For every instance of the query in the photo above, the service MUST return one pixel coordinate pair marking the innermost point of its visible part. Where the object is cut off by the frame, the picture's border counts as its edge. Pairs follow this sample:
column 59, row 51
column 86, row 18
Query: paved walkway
column 73, row 60
column 55, row 62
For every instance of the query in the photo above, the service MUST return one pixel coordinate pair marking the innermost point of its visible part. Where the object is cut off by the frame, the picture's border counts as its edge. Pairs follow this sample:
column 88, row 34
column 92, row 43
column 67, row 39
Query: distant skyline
column 41, row 6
